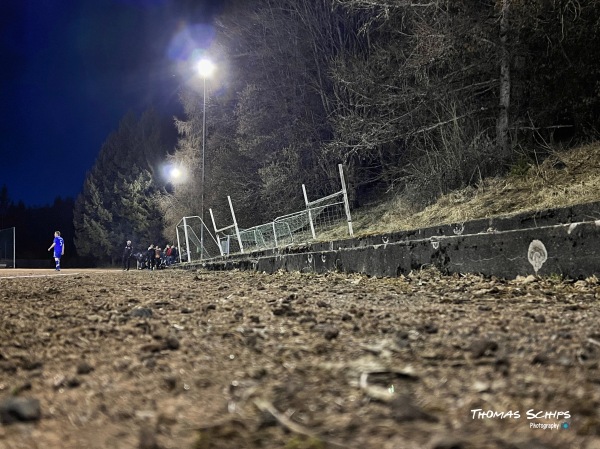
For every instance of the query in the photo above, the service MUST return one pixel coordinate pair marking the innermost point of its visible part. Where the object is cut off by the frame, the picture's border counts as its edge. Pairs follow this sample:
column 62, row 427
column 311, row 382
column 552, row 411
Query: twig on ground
column 266, row 406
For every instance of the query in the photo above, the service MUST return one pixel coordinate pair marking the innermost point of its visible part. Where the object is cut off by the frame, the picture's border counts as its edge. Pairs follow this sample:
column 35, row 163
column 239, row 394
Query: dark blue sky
column 71, row 69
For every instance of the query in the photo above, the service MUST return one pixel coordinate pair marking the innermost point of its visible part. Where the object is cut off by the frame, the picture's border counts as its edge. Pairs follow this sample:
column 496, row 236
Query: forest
column 414, row 98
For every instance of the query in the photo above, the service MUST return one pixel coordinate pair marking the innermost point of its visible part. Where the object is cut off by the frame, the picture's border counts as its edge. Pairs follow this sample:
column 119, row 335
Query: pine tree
column 119, row 198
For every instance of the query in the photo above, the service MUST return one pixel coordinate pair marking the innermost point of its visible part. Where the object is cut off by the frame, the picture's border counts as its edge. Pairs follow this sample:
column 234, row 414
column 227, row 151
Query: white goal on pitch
column 7, row 248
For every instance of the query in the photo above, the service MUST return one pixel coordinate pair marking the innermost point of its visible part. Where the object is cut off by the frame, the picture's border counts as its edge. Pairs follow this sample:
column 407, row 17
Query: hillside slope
column 563, row 179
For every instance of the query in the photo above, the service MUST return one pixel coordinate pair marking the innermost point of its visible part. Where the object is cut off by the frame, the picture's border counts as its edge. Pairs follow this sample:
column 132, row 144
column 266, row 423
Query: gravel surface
column 201, row 360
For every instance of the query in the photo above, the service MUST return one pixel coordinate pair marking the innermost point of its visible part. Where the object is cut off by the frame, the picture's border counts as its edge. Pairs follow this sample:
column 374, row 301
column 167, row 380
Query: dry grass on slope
column 563, row 179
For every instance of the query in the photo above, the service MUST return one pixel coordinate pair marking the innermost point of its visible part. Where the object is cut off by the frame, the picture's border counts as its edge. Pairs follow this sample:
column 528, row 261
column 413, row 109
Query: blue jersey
column 59, row 243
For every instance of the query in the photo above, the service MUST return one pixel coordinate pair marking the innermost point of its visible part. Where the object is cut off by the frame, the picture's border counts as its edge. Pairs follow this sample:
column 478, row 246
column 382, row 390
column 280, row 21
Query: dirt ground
column 196, row 359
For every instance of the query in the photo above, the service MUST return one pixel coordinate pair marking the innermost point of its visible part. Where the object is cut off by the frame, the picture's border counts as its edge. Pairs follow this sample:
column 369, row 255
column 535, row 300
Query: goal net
column 195, row 242
column 7, row 248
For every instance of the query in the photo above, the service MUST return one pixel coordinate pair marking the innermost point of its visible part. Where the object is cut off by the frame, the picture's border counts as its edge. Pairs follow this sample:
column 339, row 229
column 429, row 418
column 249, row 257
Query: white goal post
column 7, row 248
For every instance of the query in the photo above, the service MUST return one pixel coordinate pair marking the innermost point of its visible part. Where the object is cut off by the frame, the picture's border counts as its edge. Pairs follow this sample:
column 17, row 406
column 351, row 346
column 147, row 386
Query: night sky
column 71, row 69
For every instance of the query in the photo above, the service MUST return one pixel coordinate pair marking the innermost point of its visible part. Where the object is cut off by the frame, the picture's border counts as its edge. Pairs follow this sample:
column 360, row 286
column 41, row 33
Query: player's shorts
column 57, row 255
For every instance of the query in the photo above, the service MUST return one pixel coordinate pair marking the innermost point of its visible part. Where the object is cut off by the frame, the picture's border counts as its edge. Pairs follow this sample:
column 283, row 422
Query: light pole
column 205, row 68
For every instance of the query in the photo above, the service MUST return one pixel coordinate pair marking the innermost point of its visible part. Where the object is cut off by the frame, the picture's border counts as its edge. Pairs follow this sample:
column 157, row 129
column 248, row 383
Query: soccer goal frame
column 8, row 254
column 194, row 241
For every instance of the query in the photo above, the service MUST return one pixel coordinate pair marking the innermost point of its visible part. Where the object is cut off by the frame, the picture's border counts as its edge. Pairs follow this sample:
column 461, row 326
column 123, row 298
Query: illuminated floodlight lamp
column 205, row 68
column 175, row 173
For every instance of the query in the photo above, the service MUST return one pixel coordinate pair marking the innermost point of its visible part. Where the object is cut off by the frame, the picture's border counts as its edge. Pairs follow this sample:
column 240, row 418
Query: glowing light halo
column 189, row 41
column 174, row 173
column 205, row 68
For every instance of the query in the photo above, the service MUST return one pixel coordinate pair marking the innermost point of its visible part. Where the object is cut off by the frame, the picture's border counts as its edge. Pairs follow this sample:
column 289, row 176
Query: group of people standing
column 153, row 258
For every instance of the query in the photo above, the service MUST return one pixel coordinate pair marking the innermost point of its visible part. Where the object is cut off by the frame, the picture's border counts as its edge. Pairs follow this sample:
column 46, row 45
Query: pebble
column 17, row 409
column 430, row 328
column 84, row 368
column 172, row 343
column 141, row 312
column 329, row 332
column 284, row 310
column 170, row 382
column 481, row 348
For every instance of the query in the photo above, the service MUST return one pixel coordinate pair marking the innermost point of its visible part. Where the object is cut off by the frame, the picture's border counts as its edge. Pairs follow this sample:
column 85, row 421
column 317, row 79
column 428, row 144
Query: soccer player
column 59, row 248
column 127, row 252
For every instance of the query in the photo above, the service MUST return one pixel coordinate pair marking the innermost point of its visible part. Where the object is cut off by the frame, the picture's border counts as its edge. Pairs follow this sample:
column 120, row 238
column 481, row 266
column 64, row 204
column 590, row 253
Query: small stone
column 172, row 343
column 17, row 409
column 329, row 332
column 266, row 419
column 141, row 312
column 170, row 382
column 502, row 364
column 72, row 382
column 430, row 328
column 283, row 310
column 257, row 373
column 84, row 368
column 481, row 348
